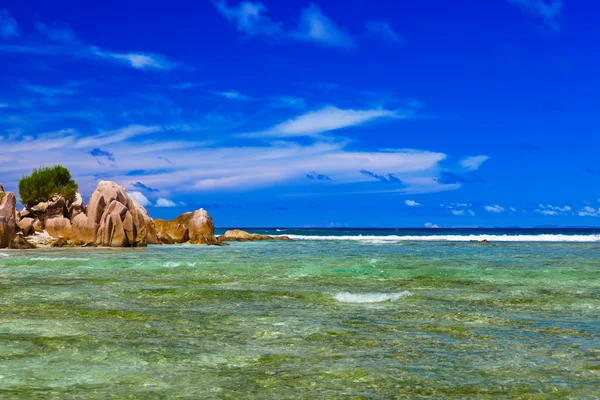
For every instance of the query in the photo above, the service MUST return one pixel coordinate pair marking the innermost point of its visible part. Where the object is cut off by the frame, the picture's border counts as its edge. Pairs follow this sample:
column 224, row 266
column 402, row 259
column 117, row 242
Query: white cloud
column 548, row 209
column 471, row 213
column 313, row 26
column 316, row 27
column 61, row 40
column 233, row 95
column 473, row 163
column 412, row 203
column 458, row 212
column 324, row 120
column 588, row 211
column 162, row 202
column 382, row 30
column 250, row 18
column 115, row 136
column 135, row 60
column 494, row 209
column 549, row 10
column 8, row 26
column 430, row 225
column 140, row 198
column 512, row 209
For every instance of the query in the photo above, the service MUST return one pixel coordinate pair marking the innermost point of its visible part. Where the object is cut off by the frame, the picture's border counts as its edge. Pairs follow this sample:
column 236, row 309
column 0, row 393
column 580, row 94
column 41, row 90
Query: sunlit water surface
column 304, row 319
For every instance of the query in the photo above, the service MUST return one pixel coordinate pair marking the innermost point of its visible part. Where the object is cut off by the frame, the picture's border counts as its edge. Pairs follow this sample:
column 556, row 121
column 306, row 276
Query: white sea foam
column 457, row 238
column 346, row 297
column 59, row 259
column 4, row 255
column 173, row 264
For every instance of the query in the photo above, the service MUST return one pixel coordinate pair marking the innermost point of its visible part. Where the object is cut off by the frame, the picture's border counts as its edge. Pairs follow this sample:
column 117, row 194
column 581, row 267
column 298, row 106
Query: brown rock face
column 113, row 219
column 196, row 227
column 59, row 228
column 75, row 207
column 8, row 217
column 21, row 243
column 26, row 226
column 238, row 235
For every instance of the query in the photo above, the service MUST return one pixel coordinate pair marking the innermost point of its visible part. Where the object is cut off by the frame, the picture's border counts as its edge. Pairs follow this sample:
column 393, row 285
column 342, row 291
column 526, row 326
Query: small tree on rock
column 46, row 182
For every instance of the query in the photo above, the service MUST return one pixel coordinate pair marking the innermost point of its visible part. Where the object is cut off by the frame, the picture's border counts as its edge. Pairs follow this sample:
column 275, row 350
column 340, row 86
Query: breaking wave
column 4, row 255
column 346, row 297
column 59, row 259
column 173, row 264
column 557, row 238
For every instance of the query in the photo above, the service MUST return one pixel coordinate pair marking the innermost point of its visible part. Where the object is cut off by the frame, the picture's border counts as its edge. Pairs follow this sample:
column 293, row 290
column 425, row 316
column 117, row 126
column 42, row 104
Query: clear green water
column 262, row 320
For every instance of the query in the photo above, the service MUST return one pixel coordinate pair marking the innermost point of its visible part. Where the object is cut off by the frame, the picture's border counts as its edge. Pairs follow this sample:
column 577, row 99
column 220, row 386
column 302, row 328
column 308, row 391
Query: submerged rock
column 238, row 235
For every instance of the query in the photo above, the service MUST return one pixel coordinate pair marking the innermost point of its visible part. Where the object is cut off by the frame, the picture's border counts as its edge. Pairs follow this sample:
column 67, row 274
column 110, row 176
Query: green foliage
column 43, row 183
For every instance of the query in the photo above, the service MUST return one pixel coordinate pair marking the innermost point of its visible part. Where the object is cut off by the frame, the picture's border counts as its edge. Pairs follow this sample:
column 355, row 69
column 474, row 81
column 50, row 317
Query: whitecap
column 58, row 259
column 346, row 297
column 4, row 255
column 555, row 238
column 171, row 264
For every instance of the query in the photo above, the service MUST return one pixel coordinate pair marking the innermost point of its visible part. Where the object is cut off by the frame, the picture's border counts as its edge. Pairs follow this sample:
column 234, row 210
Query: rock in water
column 8, row 217
column 113, row 219
column 238, row 235
column 196, row 227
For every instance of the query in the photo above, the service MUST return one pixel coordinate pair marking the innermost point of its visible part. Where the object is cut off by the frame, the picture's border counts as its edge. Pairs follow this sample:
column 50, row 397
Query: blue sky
column 312, row 114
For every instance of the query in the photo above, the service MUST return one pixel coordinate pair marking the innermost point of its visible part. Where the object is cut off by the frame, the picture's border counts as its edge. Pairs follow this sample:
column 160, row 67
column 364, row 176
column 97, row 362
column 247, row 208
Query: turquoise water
column 303, row 319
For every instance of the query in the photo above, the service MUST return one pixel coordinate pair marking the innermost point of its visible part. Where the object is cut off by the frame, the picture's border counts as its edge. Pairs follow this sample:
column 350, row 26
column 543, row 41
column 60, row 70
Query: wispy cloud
column 233, row 95
column 60, row 40
column 390, row 178
column 8, row 26
column 49, row 91
column 140, row 185
column 473, row 163
column 102, row 153
column 549, row 10
column 327, row 119
column 317, row 177
column 383, row 31
column 412, row 203
column 313, row 26
column 495, row 208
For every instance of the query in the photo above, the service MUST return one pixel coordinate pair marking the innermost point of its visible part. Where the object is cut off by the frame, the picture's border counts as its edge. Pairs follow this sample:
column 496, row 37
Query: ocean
column 335, row 313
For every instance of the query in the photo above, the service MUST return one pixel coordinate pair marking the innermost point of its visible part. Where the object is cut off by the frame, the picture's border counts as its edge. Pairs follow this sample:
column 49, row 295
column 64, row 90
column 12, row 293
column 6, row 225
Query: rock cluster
column 238, row 235
column 194, row 227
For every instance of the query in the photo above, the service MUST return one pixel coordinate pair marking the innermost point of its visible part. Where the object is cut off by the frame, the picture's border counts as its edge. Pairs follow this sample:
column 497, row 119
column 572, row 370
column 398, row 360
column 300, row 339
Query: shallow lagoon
column 304, row 319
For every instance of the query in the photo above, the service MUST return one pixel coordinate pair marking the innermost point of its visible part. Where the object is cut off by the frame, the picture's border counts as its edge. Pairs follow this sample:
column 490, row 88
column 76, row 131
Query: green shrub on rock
column 43, row 183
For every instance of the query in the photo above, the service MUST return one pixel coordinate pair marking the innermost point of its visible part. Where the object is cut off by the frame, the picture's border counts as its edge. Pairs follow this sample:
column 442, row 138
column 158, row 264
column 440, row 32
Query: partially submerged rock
column 195, row 227
column 238, row 235
column 8, row 217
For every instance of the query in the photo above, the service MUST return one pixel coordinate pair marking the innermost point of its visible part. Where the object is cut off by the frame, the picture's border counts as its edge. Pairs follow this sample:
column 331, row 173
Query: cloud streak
column 313, row 26
column 549, row 10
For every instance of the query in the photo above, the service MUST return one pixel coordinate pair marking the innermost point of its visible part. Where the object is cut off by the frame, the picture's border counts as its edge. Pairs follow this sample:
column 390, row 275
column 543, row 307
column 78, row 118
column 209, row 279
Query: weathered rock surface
column 8, row 217
column 59, row 228
column 26, row 226
column 195, row 227
column 238, row 235
column 19, row 242
column 113, row 219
